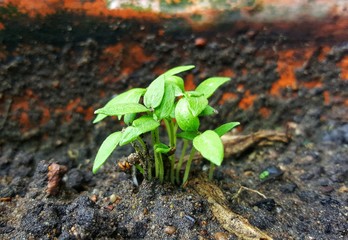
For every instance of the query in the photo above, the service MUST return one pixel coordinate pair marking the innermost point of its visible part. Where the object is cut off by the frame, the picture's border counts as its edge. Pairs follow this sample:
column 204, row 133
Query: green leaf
column 99, row 117
column 197, row 104
column 208, row 110
column 121, row 109
column 129, row 135
column 226, row 128
column 162, row 148
column 129, row 118
column 177, row 70
column 131, row 96
column 210, row 146
column 141, row 125
column 184, row 117
column 105, row 150
column 194, row 94
column 154, row 93
column 166, row 107
column 209, row 86
column 179, row 83
column 188, row 135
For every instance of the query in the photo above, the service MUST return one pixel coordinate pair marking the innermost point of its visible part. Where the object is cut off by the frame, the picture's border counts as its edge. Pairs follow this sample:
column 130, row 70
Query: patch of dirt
column 50, row 87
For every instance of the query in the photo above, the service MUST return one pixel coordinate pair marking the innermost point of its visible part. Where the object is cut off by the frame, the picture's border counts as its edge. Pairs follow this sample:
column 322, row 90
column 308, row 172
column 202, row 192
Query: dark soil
column 49, row 87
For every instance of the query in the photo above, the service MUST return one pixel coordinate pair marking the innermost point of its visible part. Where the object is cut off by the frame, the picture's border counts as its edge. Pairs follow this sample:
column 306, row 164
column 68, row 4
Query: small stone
column 220, row 236
column 94, row 198
column 288, row 187
column 200, row 42
column 113, row 198
column 327, row 189
column 343, row 189
column 170, row 230
column 109, row 207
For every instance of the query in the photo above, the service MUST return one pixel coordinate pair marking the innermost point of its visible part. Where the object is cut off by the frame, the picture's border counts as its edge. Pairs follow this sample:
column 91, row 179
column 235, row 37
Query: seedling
column 165, row 101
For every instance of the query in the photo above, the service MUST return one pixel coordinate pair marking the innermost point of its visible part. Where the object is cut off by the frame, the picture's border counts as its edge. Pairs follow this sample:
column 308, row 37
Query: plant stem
column 188, row 165
column 153, row 139
column 172, row 141
column 158, row 156
column 178, row 167
column 147, row 164
column 211, row 170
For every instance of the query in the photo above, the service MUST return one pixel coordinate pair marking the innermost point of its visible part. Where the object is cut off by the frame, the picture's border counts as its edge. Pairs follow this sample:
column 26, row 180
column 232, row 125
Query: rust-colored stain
column 247, row 101
column 265, row 112
column 327, row 98
column 312, row 84
column 227, row 96
column 133, row 56
column 344, row 68
column 94, row 8
column 228, row 73
column 189, row 83
column 288, row 61
column 323, row 53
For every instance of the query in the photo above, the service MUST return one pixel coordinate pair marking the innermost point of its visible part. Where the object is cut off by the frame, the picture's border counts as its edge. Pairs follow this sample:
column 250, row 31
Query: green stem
column 153, row 139
column 211, row 171
column 188, row 165
column 172, row 141
column 158, row 156
column 178, row 167
column 142, row 144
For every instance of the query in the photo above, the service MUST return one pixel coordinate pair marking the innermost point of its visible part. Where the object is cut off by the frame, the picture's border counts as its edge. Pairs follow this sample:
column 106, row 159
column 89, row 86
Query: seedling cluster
column 165, row 103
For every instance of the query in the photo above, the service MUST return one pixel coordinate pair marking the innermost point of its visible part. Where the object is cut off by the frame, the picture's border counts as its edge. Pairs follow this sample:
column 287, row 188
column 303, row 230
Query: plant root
column 230, row 221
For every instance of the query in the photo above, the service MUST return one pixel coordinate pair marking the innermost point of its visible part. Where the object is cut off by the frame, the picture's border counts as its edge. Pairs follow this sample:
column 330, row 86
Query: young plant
column 165, row 101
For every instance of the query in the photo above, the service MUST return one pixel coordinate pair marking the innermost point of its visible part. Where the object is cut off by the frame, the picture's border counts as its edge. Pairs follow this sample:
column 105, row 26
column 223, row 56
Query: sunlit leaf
column 179, row 82
column 209, row 86
column 105, row 150
column 208, row 111
column 139, row 126
column 166, row 107
column 177, row 70
column 131, row 96
column 121, row 109
column 225, row 128
column 154, row 93
column 197, row 104
column 210, row 146
column 184, row 117
column 188, row 135
column 128, row 118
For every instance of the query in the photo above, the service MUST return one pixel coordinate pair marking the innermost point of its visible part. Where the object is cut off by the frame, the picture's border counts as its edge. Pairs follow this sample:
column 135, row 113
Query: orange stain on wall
column 265, row 112
column 227, row 96
column 95, row 8
column 247, row 101
column 288, row 61
column 344, row 68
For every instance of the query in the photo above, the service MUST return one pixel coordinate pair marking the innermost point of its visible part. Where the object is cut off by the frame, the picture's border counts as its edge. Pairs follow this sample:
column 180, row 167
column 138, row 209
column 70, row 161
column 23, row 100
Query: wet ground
column 51, row 83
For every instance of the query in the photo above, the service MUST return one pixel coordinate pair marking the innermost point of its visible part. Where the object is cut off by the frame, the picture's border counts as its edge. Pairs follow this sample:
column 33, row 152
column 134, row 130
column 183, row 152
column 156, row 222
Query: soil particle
column 266, row 204
column 288, row 187
column 77, row 179
column 170, row 230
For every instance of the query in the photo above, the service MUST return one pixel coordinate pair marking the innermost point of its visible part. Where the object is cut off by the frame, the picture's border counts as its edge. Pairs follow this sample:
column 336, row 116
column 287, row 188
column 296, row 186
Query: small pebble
column 343, row 189
column 113, row 198
column 200, row 42
column 109, row 207
column 327, row 189
column 170, row 230
column 220, row 236
column 94, row 198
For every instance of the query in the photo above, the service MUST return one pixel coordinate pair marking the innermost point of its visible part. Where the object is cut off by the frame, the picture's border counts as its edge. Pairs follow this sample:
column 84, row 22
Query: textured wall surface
column 60, row 60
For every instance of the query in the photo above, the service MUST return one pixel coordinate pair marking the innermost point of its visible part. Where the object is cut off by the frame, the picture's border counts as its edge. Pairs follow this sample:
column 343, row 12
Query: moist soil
column 306, row 192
